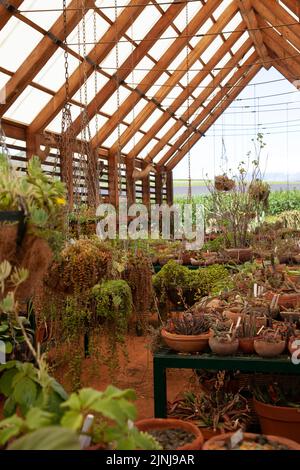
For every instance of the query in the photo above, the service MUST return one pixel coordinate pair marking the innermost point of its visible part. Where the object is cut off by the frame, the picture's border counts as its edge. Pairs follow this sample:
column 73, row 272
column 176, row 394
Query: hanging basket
column 259, row 191
column 223, row 183
column 12, row 231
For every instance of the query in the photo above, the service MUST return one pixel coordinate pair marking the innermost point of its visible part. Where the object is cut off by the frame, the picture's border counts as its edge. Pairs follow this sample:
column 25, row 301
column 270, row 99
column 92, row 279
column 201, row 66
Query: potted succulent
column 270, row 343
column 172, row 434
column 246, row 333
column 249, row 441
column 189, row 333
column 213, row 407
column 276, row 402
column 224, row 342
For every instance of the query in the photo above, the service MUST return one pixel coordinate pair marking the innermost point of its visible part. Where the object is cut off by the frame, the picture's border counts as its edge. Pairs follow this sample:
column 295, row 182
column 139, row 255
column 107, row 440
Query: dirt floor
column 135, row 372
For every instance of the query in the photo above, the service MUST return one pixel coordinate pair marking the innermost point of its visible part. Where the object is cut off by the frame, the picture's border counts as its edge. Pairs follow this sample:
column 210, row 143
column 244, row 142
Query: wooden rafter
column 175, row 78
column 195, row 82
column 204, row 95
column 7, row 9
column 250, row 19
column 294, row 6
column 275, row 15
column 97, row 55
column 285, row 70
column 285, row 53
column 156, row 71
column 231, row 95
column 40, row 56
column 128, row 65
column 212, row 103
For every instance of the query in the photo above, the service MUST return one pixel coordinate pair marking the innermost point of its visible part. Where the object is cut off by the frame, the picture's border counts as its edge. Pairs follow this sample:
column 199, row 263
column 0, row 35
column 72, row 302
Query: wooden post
column 113, row 179
column 146, row 191
column 31, row 147
column 170, row 195
column 158, row 187
column 130, row 183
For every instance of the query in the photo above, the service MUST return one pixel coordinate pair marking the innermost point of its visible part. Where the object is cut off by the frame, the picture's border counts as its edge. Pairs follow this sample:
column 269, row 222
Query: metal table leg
column 160, row 389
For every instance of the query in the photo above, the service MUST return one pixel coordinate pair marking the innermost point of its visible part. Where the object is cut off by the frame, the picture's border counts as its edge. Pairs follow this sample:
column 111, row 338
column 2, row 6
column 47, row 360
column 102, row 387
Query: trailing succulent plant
column 188, row 324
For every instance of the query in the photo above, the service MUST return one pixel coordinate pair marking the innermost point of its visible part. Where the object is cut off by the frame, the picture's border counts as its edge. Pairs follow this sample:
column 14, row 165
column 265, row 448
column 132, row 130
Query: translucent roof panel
column 48, row 11
column 52, row 75
column 163, row 44
column 186, row 15
column 10, row 41
column 109, row 8
column 144, row 22
column 95, row 27
column 28, row 105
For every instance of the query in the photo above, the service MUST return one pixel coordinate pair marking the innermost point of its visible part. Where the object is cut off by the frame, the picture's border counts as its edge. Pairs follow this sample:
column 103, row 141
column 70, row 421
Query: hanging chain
column 188, row 100
column 118, row 99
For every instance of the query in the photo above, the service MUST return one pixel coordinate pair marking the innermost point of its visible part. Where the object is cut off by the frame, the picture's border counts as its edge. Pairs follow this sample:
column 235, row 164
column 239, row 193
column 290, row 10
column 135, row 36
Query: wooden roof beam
column 241, row 71
column 250, row 19
column 232, row 94
column 204, row 95
column 285, row 71
column 293, row 6
column 40, row 55
column 175, row 78
column 7, row 10
column 156, row 71
column 275, row 14
column 130, row 63
column 195, row 82
column 97, row 55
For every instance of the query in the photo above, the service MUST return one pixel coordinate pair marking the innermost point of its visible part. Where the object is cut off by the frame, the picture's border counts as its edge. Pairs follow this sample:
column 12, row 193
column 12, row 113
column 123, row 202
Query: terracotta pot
column 290, row 316
column 286, row 300
column 185, row 343
column 266, row 349
column 246, row 345
column 280, row 420
column 239, row 255
column 208, row 433
column 292, row 445
column 169, row 423
column 223, row 348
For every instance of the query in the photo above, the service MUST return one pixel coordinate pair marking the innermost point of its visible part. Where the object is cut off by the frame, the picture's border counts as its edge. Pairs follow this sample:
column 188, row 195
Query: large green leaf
column 72, row 420
column 88, row 396
column 6, row 381
column 37, row 418
column 25, row 392
column 48, row 438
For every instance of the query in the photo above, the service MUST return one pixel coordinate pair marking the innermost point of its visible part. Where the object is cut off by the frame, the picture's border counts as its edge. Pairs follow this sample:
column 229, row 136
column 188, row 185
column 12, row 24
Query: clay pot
column 208, row 433
column 267, row 349
column 290, row 316
column 239, row 255
column 246, row 345
column 223, row 348
column 185, row 343
column 168, row 423
column 280, row 420
column 285, row 300
column 233, row 316
column 209, row 445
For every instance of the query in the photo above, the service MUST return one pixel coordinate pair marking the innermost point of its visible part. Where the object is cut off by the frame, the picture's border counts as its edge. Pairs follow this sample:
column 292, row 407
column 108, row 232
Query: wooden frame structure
column 153, row 127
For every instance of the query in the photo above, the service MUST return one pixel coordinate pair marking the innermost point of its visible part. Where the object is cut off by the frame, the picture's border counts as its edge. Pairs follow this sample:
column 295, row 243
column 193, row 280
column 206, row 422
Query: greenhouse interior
column 149, row 225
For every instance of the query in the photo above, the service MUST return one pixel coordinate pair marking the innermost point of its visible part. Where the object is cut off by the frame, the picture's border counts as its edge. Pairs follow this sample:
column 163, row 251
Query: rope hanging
column 118, row 102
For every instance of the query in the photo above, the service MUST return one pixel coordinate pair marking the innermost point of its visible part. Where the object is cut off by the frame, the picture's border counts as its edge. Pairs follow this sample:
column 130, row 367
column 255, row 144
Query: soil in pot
column 185, row 343
column 223, row 348
column 279, row 420
column 251, row 442
column 175, row 434
column 268, row 349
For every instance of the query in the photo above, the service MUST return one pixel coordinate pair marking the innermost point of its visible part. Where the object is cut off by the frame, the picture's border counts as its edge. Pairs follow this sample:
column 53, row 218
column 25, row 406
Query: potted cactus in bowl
column 224, row 341
column 270, row 343
column 188, row 333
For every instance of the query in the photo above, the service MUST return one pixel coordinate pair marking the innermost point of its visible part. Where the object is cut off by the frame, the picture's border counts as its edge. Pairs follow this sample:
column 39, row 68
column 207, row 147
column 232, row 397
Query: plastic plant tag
column 84, row 440
column 236, row 438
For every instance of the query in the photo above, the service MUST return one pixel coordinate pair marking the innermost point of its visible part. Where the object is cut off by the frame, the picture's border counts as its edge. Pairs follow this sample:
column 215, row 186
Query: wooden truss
column 268, row 34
